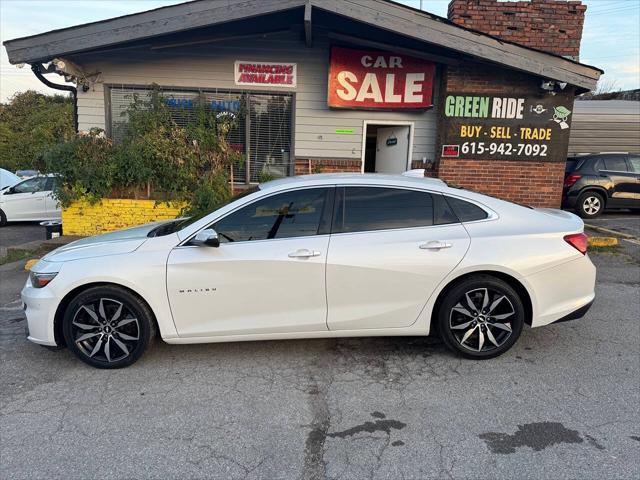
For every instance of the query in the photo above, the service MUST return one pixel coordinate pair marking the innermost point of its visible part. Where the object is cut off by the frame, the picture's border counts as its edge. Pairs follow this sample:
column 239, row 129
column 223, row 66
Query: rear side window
column 571, row 165
column 361, row 209
column 615, row 164
column 634, row 160
column 466, row 211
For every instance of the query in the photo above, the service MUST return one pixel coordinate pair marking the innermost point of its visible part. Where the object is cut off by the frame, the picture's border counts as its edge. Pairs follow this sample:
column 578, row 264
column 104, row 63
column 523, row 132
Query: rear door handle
column 304, row 253
column 435, row 245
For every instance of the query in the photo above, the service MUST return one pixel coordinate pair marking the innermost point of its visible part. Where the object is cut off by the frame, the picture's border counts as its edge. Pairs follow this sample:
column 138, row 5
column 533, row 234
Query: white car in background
column 7, row 178
column 30, row 200
column 339, row 255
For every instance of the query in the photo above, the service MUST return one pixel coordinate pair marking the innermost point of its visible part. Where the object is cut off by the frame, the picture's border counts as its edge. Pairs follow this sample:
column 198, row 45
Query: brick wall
column 550, row 25
column 305, row 166
column 84, row 219
column 537, row 184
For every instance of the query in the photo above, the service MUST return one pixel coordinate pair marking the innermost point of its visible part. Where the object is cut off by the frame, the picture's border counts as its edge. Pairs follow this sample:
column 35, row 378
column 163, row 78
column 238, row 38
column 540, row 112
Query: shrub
column 157, row 158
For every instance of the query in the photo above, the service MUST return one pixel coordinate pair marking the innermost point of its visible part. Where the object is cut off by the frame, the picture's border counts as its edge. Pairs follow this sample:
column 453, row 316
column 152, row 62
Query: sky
column 610, row 40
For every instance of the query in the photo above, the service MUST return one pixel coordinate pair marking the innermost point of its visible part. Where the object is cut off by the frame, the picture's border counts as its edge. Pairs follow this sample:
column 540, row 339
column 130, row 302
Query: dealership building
column 483, row 99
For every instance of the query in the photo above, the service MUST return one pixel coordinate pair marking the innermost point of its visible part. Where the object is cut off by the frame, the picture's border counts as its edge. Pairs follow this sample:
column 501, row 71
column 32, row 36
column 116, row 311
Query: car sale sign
column 364, row 79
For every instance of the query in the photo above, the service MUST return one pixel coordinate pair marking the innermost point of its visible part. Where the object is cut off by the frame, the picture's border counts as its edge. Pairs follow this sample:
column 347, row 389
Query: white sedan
column 318, row 256
column 30, row 200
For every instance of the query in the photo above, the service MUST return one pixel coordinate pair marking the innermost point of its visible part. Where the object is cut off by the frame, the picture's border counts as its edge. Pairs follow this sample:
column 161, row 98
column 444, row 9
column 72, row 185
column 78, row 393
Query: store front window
column 262, row 132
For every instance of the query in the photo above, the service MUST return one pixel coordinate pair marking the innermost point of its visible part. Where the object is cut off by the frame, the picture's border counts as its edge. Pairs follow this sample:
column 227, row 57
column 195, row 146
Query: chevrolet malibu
column 319, row 256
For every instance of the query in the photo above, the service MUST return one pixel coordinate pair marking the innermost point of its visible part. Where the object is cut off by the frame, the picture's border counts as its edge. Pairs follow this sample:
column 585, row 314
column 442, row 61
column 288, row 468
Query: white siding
column 605, row 126
column 211, row 66
column 91, row 108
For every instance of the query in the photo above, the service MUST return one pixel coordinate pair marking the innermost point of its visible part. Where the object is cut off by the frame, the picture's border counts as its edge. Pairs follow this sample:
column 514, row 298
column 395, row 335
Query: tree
column 30, row 124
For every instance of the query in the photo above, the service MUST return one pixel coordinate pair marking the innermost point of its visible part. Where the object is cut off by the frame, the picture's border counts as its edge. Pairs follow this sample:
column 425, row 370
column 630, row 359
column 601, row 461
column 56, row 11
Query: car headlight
column 39, row 280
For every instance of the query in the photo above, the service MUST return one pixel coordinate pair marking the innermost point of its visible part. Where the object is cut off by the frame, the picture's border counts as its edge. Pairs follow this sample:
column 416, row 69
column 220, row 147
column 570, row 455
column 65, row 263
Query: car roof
column 354, row 178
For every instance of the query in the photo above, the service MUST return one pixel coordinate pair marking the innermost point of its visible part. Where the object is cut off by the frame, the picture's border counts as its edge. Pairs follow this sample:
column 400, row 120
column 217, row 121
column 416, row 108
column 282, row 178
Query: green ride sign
column 534, row 127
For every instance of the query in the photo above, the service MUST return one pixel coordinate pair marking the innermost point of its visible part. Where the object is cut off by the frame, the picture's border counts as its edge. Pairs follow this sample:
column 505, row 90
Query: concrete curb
column 603, row 241
column 610, row 232
column 44, row 245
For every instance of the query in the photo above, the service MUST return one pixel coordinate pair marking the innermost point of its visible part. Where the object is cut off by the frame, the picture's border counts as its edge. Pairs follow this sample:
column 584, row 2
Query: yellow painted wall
column 109, row 214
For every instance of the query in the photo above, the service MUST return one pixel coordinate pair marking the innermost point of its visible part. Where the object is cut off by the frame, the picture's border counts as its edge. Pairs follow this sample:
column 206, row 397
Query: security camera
column 548, row 85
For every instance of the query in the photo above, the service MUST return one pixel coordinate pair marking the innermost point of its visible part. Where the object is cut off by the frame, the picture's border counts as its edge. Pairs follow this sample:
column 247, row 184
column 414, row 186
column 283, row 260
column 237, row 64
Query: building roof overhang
column 411, row 23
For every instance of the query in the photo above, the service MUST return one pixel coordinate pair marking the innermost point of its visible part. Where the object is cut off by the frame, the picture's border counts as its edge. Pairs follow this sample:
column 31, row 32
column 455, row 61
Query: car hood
column 113, row 243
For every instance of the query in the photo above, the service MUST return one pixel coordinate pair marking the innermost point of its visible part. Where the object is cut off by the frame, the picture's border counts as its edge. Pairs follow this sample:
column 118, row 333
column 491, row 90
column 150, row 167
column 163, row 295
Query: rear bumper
column 569, row 198
column 563, row 291
column 576, row 314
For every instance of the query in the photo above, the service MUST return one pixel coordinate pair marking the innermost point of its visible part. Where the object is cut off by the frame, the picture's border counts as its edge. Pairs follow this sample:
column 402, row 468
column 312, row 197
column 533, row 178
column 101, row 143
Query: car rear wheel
column 590, row 204
column 108, row 327
column 481, row 317
column 3, row 219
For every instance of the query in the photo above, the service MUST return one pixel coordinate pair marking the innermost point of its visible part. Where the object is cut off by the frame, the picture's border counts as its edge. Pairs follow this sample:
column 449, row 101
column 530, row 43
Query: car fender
column 147, row 280
column 424, row 319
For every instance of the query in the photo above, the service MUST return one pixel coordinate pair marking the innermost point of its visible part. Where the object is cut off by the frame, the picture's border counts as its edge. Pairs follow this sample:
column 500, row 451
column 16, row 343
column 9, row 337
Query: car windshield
column 181, row 223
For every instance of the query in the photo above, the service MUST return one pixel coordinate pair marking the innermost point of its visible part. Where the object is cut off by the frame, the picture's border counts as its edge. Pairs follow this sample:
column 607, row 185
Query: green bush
column 156, row 158
column 30, row 124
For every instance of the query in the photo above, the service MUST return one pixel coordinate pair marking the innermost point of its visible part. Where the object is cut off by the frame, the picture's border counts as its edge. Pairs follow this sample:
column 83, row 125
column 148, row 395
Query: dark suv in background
column 593, row 183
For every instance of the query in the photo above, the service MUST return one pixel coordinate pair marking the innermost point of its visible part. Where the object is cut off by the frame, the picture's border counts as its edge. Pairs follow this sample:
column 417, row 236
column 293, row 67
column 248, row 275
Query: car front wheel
column 481, row 317
column 108, row 327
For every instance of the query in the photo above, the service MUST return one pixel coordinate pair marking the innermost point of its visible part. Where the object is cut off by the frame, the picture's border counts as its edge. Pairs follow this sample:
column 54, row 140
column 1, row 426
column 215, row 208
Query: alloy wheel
column 591, row 205
column 481, row 319
column 105, row 330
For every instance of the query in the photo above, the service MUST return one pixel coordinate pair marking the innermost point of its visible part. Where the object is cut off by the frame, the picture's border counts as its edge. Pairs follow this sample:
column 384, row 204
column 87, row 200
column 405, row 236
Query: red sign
column 265, row 73
column 379, row 80
column 451, row 150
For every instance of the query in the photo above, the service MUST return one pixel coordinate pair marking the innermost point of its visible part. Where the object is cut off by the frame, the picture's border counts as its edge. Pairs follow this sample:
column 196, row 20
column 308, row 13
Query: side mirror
column 207, row 237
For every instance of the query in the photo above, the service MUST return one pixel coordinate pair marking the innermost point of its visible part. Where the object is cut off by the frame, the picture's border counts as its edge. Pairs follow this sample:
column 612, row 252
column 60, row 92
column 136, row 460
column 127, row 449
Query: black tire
column 3, row 219
column 456, row 318
column 590, row 204
column 124, row 320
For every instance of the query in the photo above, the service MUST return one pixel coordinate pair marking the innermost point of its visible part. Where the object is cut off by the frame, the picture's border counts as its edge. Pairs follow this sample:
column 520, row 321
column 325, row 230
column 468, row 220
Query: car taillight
column 579, row 241
column 571, row 179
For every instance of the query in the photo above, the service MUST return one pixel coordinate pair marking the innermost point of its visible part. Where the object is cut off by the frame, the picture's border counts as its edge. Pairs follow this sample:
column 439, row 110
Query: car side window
column 31, row 185
column 285, row 215
column 615, row 164
column 361, row 209
column 466, row 211
column 634, row 161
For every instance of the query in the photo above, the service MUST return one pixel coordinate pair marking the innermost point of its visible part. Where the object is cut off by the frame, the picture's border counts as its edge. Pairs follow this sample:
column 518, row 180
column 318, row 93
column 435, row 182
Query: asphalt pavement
column 15, row 234
column 621, row 221
column 564, row 403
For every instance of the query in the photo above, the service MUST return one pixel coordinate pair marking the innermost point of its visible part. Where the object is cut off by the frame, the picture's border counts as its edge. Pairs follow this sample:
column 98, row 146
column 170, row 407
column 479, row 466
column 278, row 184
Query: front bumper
column 40, row 307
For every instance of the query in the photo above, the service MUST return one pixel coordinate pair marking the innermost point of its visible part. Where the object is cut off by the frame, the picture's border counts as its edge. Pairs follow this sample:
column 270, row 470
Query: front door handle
column 435, row 245
column 304, row 253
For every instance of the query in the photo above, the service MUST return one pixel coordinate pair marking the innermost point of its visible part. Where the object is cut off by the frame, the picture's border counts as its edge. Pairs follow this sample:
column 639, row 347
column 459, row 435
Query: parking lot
column 621, row 221
column 563, row 403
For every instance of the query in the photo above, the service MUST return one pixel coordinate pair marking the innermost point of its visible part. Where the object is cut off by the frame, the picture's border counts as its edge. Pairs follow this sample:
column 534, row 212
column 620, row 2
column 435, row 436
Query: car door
column 624, row 182
column 267, row 275
column 26, row 200
column 54, row 212
column 634, row 166
column 389, row 251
